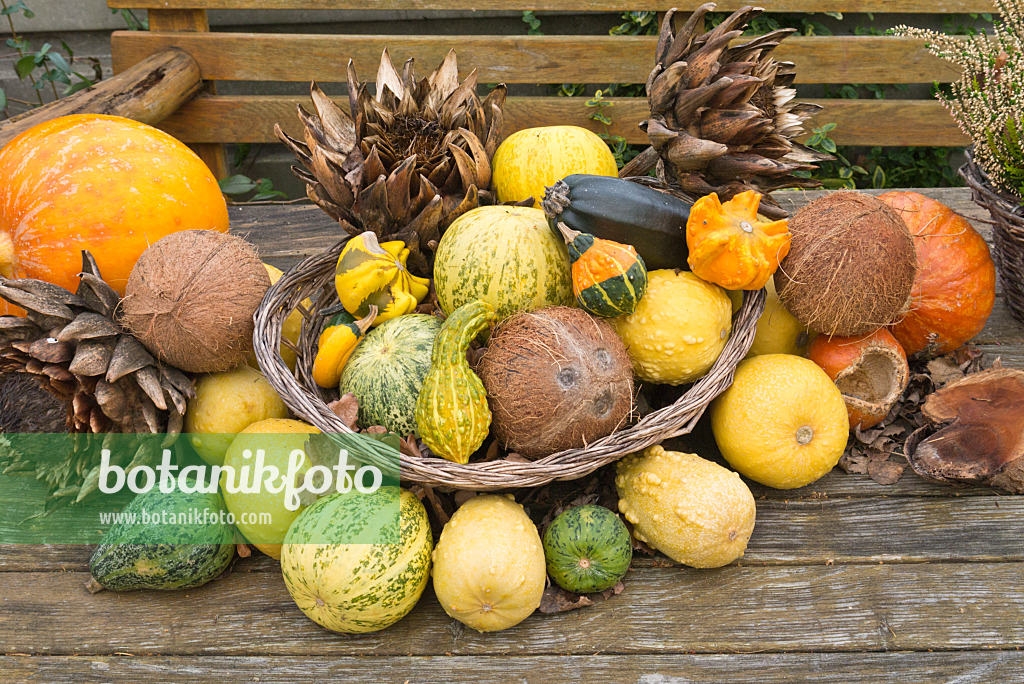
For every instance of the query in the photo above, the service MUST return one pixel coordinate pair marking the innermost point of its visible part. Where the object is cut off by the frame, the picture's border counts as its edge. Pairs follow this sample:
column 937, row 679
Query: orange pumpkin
column 103, row 183
column 870, row 370
column 730, row 246
column 955, row 287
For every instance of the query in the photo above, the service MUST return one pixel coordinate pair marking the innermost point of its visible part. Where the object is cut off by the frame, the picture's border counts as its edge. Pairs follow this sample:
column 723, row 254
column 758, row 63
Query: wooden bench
column 211, row 119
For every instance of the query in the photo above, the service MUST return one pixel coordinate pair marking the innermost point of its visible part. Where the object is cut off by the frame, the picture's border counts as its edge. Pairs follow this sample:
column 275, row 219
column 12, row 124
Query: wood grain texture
column 148, row 92
column 515, row 59
column 192, row 20
column 963, row 667
column 835, row 608
column 797, row 531
column 859, row 122
column 922, row 6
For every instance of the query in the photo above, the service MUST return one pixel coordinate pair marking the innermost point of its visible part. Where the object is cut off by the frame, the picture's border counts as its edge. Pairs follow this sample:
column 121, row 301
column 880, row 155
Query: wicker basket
column 1007, row 230
column 314, row 279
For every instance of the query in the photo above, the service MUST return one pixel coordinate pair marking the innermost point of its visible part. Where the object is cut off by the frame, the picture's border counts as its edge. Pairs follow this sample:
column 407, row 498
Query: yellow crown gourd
column 373, row 274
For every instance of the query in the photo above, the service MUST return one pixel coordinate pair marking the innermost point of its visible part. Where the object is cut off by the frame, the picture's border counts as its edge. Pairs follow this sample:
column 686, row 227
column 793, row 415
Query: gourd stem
column 7, row 258
column 568, row 234
column 364, row 323
column 556, row 199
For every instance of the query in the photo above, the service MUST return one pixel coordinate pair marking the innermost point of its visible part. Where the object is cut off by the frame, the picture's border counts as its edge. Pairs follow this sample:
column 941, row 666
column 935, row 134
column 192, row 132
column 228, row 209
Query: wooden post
column 192, row 20
column 148, row 92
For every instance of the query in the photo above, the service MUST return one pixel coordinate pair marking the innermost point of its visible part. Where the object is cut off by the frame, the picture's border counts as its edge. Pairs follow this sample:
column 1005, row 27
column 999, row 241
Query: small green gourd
column 452, row 415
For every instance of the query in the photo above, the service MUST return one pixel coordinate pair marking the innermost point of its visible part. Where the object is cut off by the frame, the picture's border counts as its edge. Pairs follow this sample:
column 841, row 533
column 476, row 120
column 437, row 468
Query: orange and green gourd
column 731, row 246
column 608, row 278
column 452, row 414
column 336, row 344
column 373, row 274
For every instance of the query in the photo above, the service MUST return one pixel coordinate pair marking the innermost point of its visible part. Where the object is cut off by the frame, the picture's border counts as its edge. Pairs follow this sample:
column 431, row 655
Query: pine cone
column 414, row 158
column 723, row 118
column 72, row 344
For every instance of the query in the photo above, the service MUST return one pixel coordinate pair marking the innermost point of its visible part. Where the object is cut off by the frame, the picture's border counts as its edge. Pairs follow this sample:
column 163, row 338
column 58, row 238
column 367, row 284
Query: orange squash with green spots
column 107, row 184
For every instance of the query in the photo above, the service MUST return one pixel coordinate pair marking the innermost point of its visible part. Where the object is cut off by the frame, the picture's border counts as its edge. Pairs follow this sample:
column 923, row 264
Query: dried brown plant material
column 975, row 433
column 346, row 408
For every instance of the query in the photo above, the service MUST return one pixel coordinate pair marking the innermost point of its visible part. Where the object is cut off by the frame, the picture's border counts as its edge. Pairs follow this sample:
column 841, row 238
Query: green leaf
column 878, row 178
column 75, row 87
column 3, row 99
column 24, row 66
column 19, row 6
column 58, row 61
column 834, row 15
column 828, row 145
column 815, row 139
column 67, row 49
column 236, row 185
column 242, row 151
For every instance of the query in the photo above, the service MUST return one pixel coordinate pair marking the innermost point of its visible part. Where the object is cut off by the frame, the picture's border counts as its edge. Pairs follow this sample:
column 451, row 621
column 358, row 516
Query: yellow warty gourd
column 694, row 511
column 489, row 569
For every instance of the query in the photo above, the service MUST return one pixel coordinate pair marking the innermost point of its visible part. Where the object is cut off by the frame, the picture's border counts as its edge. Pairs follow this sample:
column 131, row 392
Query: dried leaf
column 885, row 472
column 613, row 591
column 347, row 409
column 558, row 600
column 945, row 370
column 513, row 457
column 854, row 462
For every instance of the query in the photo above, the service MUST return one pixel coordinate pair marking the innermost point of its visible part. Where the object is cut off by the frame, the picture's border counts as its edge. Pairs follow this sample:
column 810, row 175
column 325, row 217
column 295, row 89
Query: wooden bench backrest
column 211, row 119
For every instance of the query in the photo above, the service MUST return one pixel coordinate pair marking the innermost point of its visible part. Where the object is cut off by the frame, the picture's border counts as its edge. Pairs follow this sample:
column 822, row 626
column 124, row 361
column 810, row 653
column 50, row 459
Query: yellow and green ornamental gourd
column 608, row 278
column 452, row 415
column 731, row 246
column 336, row 344
column 374, row 274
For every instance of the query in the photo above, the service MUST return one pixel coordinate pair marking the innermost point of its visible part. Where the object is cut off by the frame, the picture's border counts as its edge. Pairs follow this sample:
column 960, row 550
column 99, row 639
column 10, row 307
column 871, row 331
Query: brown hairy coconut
column 191, row 297
column 556, row 378
column 851, row 265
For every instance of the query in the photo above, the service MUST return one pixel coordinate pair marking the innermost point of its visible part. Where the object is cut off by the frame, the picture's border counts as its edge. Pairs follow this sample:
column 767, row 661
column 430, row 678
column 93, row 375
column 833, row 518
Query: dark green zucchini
column 623, row 211
column 189, row 551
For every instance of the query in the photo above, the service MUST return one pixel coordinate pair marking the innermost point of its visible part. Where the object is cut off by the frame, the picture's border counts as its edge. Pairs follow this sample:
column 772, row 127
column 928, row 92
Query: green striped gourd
column 452, row 413
column 507, row 256
column 587, row 549
column 134, row 555
column 358, row 587
column 387, row 369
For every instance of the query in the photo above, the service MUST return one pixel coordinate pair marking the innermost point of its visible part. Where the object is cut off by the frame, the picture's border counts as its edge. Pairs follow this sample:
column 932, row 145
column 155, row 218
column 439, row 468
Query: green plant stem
column 21, row 53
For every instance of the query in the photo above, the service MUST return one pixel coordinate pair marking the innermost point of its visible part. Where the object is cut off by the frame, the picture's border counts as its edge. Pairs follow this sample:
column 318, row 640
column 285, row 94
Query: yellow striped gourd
column 373, row 274
column 336, row 344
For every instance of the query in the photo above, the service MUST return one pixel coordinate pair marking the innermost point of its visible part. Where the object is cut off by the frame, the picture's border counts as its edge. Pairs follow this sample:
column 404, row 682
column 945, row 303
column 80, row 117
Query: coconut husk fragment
column 975, row 432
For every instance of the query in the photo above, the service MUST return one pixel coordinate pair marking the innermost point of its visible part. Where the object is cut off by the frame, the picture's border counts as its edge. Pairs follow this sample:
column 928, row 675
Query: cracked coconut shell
column 851, row 265
column 976, row 432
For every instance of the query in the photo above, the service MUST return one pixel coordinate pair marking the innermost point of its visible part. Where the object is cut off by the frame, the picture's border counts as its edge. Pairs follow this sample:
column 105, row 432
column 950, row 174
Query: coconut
column 190, row 299
column 556, row 378
column 851, row 265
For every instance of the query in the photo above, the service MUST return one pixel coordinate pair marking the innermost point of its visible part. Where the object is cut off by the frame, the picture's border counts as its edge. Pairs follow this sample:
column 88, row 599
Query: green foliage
column 46, row 66
column 237, row 185
column 531, row 20
column 131, row 21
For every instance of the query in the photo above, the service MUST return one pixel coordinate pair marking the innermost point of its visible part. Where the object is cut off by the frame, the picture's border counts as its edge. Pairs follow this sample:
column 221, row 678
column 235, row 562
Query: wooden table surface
column 843, row 581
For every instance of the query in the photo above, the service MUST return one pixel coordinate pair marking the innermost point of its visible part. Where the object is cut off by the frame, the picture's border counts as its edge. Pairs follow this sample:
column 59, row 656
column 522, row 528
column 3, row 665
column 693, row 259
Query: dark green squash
column 623, row 211
column 134, row 555
column 587, row 549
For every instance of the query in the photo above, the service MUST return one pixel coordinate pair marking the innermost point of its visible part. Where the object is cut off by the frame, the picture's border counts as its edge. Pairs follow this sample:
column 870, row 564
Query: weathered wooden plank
column 859, row 122
column 191, row 20
column 922, row 6
column 798, row 531
column 944, row 606
column 515, row 59
column 965, row 667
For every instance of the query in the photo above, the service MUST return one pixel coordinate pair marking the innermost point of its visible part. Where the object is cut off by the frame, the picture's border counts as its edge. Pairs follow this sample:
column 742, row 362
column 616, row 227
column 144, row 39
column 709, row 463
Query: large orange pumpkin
column 955, row 287
column 103, row 183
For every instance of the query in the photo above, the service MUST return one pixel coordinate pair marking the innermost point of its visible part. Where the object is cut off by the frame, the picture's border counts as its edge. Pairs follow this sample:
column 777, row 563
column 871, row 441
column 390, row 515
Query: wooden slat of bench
column 515, row 59
column 251, row 118
column 917, row 6
column 782, row 668
column 802, row 531
column 941, row 606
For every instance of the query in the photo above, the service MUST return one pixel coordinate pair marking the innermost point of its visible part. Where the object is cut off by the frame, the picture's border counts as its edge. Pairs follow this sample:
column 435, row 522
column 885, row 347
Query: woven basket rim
column 985, row 192
column 310, row 279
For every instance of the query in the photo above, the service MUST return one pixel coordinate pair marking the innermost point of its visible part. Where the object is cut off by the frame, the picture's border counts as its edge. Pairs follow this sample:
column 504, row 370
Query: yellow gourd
column 730, row 246
column 336, row 344
column 373, row 274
